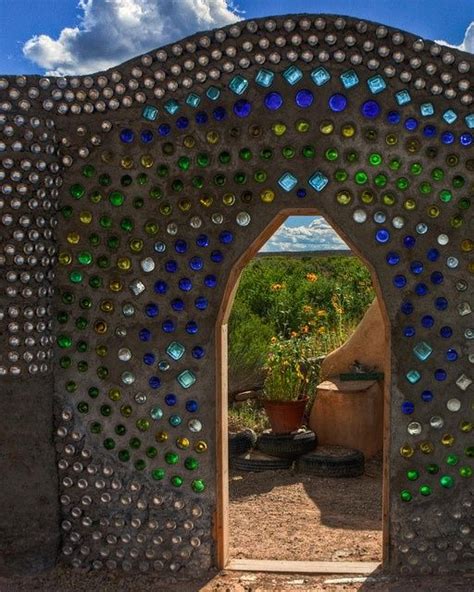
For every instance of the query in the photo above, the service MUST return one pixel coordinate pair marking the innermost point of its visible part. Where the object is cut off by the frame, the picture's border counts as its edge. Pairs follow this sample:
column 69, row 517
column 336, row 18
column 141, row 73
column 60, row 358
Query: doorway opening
column 288, row 518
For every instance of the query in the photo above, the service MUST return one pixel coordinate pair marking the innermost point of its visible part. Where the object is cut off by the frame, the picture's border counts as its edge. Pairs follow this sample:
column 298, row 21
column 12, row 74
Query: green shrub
column 249, row 337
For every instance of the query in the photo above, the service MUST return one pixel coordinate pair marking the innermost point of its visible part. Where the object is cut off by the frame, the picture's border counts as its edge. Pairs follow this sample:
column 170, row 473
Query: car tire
column 332, row 461
column 287, row 445
column 257, row 461
column 242, row 442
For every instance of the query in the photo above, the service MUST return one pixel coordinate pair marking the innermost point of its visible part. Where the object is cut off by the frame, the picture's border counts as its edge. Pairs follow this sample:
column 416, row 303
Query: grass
column 249, row 414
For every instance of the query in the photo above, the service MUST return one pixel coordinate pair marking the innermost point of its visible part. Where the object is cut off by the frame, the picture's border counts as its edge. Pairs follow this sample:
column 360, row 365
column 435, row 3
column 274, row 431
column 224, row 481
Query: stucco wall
column 156, row 185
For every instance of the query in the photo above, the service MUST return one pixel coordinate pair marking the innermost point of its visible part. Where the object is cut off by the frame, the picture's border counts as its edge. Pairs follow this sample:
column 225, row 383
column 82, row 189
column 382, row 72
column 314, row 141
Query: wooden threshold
column 313, row 567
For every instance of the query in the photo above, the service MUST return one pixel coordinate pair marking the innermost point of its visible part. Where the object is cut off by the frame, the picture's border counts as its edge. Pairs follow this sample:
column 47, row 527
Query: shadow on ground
column 63, row 579
column 353, row 503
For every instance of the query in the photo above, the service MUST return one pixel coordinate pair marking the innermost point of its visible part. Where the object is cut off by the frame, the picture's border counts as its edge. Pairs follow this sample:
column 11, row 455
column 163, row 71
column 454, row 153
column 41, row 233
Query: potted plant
column 291, row 375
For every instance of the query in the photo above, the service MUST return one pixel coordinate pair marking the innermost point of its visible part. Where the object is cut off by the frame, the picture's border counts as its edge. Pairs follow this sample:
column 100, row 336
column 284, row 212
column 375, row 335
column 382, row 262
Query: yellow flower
column 321, row 313
column 276, row 287
column 307, row 308
column 305, row 329
column 273, row 340
column 322, row 330
column 336, row 304
column 311, row 277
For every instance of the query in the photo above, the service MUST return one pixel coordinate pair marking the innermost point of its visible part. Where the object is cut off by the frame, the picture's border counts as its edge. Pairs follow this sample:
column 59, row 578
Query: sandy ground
column 303, row 517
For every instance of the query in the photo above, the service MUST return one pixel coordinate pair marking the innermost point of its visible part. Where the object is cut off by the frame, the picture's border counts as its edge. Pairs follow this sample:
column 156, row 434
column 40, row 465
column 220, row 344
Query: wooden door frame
column 221, row 521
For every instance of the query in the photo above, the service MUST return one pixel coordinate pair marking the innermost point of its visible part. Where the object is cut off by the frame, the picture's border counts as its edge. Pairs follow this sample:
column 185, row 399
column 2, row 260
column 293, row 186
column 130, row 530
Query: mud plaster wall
column 131, row 194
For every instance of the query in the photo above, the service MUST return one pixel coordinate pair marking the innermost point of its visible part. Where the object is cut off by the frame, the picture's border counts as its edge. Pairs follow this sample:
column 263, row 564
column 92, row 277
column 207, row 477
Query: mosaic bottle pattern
column 212, row 138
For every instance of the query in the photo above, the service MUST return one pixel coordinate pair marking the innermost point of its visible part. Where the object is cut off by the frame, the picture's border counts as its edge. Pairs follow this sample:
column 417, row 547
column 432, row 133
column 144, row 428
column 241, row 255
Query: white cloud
column 468, row 42
column 113, row 31
column 316, row 236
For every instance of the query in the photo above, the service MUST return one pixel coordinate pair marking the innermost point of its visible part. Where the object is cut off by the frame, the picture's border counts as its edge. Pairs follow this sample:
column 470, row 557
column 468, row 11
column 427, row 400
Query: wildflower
column 322, row 330
column 288, row 374
column 336, row 304
column 305, row 329
column 307, row 308
column 311, row 277
column 321, row 313
column 273, row 340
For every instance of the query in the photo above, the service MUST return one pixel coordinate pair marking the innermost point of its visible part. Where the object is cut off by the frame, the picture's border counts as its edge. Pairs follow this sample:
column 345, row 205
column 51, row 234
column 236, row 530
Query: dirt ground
column 63, row 579
column 303, row 517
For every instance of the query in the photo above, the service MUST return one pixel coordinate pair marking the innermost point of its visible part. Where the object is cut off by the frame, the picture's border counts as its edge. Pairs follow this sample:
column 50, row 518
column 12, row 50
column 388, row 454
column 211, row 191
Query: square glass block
column 287, row 181
column 422, row 350
column 292, row 75
column 171, row 106
column 403, row 97
column 349, row 79
column 376, row 84
column 450, row 116
column 464, row 308
column 186, row 378
column 264, row 78
column 150, row 112
column 413, row 376
column 213, row 93
column 469, row 119
column 320, row 76
column 463, row 382
column 193, row 100
column 318, row 181
column 137, row 287
column 175, row 350
column 427, row 109
column 238, row 85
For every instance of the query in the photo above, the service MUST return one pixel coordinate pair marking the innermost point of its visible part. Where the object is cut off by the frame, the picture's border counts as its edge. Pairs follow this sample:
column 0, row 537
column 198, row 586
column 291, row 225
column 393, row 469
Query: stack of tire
column 300, row 450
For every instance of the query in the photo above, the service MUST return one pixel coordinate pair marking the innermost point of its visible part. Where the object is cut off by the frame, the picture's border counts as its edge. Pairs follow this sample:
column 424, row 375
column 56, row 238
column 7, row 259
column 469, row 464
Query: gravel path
column 303, row 517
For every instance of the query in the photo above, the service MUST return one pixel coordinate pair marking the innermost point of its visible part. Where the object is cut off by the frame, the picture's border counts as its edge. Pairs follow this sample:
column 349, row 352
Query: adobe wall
column 136, row 190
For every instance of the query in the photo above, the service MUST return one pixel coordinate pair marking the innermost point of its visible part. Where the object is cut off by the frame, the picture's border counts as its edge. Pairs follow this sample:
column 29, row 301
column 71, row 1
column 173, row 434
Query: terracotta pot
column 285, row 416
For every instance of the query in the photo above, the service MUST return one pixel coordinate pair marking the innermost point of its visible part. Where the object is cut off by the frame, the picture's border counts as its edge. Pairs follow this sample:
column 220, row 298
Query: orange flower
column 305, row 329
column 311, row 277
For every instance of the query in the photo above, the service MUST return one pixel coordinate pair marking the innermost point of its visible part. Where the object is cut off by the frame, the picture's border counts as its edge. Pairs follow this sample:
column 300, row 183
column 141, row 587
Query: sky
column 84, row 36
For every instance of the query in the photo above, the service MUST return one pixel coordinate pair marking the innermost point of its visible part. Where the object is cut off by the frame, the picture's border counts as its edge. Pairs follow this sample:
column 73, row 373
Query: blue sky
column 21, row 20
column 83, row 36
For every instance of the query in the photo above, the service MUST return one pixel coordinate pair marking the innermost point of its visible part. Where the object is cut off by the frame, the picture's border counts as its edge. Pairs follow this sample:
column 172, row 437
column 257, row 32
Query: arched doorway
column 222, row 516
